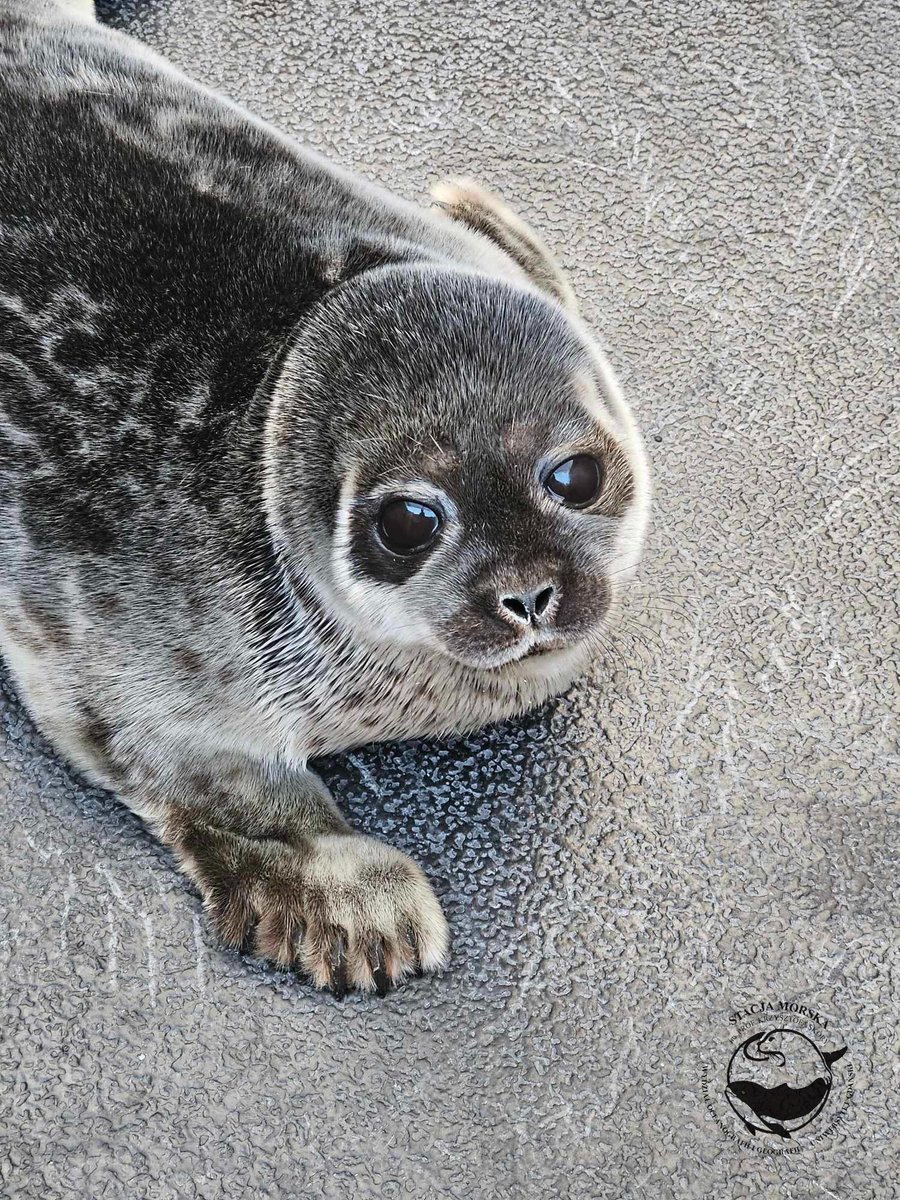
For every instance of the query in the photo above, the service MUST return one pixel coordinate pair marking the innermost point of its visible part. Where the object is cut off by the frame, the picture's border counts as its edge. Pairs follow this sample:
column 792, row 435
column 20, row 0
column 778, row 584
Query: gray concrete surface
column 710, row 821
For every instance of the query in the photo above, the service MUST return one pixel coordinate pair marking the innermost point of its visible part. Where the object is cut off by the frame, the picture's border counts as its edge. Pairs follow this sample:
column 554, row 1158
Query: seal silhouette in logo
column 779, row 1081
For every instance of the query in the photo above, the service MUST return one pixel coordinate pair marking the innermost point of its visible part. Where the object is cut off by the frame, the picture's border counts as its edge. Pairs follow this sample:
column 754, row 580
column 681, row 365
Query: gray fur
column 218, row 353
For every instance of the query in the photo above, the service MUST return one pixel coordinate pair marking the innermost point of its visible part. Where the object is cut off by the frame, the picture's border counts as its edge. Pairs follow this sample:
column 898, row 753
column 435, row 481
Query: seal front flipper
column 285, row 878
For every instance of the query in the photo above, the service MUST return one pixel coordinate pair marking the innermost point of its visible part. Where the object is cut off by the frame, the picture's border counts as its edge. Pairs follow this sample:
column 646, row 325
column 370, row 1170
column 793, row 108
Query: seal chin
column 527, row 658
column 559, row 664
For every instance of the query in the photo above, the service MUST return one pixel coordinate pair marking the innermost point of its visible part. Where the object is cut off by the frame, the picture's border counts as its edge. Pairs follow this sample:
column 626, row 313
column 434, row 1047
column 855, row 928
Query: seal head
column 449, row 462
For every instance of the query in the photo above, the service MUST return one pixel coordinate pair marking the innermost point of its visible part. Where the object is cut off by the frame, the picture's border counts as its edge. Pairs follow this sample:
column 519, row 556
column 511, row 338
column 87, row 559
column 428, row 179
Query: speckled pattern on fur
column 714, row 825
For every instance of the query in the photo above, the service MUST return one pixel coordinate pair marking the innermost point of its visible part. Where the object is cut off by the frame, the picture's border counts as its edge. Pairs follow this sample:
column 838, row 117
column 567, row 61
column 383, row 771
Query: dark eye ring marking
column 576, row 482
column 407, row 526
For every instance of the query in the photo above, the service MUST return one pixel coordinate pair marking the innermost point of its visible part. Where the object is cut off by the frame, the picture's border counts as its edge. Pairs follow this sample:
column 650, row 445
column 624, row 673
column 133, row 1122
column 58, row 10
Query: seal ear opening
column 463, row 200
column 834, row 1055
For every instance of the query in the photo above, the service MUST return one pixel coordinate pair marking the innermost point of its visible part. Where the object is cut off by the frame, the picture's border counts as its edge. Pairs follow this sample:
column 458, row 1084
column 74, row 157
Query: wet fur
column 189, row 599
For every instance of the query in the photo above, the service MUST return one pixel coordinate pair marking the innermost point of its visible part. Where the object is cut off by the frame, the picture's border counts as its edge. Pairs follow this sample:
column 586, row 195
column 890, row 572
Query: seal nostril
column 542, row 601
column 528, row 608
column 516, row 607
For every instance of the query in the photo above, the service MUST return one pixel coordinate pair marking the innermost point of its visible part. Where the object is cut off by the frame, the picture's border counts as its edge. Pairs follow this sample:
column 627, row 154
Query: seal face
column 286, row 465
column 442, row 463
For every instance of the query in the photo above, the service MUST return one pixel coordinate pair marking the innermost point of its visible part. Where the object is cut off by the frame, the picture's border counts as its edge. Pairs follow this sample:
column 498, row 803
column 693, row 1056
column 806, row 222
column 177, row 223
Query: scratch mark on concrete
column 115, row 888
column 112, row 957
column 368, row 777
column 151, row 958
column 42, row 851
column 70, row 891
column 795, row 24
column 820, row 216
column 200, row 950
column 615, row 1090
column 830, row 512
column 853, row 263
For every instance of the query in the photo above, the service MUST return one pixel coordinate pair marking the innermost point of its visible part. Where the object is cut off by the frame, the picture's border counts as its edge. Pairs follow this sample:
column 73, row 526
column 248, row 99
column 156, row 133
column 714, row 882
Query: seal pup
column 286, row 465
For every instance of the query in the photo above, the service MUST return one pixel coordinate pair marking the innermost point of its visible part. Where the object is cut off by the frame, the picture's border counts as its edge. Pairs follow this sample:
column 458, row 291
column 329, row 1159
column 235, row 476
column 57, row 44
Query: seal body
column 222, row 361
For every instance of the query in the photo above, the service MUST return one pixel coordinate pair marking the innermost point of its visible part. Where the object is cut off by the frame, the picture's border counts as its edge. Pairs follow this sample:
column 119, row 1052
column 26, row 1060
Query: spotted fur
column 218, row 355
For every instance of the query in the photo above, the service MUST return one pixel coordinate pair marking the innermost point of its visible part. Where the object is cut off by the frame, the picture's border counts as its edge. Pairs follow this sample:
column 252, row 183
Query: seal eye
column 407, row 526
column 575, row 482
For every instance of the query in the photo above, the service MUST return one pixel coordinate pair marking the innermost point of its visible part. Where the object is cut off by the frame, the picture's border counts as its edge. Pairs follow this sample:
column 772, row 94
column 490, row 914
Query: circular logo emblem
column 779, row 1081
column 780, row 1085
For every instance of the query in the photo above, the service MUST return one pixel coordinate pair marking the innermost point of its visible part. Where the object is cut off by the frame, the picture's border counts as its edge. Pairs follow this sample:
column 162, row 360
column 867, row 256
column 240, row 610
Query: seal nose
column 528, row 608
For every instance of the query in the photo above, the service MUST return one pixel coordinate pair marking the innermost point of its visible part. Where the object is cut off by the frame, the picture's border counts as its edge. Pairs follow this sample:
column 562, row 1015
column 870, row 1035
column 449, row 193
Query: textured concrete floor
column 711, row 821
